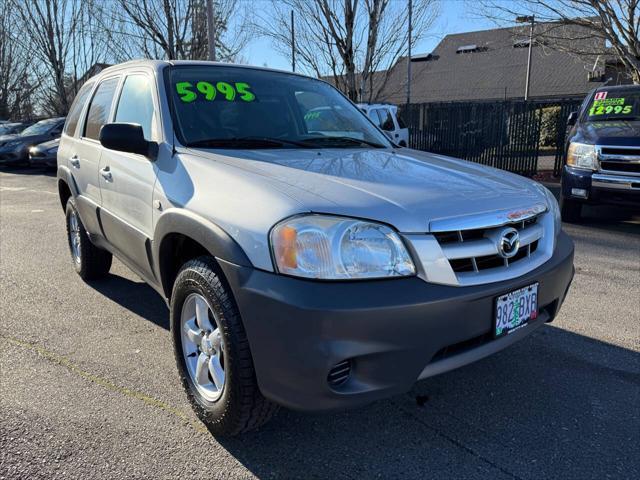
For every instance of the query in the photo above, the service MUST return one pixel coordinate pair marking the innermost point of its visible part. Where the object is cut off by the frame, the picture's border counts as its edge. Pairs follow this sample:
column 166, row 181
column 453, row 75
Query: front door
column 127, row 179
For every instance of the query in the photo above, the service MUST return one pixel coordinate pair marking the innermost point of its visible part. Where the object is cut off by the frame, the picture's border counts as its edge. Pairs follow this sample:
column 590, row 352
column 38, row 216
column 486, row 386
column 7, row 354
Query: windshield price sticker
column 190, row 92
column 312, row 115
column 610, row 106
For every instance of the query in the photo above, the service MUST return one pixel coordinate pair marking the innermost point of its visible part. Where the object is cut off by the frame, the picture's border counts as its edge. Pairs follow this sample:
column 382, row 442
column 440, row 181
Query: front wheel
column 212, row 352
column 571, row 210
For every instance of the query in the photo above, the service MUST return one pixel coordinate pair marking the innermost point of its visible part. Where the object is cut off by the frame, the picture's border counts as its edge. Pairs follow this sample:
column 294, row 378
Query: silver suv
column 315, row 268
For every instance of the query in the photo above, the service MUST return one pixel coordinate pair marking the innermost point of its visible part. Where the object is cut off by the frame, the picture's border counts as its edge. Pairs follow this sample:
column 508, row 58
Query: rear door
column 69, row 141
column 127, row 179
column 84, row 160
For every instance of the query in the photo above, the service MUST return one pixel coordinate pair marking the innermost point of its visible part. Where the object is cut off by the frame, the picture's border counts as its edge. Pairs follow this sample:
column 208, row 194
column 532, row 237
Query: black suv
column 603, row 151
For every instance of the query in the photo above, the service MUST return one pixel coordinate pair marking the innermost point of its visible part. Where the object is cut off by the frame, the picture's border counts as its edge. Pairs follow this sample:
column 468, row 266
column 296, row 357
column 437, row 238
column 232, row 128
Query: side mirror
column 572, row 118
column 127, row 137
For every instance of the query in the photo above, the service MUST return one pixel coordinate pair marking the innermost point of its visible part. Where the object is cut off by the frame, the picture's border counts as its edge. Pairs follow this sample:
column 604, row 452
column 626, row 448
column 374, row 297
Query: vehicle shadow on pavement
column 620, row 219
column 138, row 297
column 556, row 405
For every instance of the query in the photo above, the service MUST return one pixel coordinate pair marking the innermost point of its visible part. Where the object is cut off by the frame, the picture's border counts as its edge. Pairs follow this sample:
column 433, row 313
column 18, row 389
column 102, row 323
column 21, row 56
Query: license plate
column 516, row 309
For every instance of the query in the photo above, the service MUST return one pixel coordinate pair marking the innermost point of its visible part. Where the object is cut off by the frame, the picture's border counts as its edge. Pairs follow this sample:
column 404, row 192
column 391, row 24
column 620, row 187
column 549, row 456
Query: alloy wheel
column 203, row 347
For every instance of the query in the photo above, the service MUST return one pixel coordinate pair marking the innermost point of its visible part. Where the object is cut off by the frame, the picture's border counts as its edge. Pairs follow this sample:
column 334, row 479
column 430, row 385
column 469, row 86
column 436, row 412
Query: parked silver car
column 305, row 264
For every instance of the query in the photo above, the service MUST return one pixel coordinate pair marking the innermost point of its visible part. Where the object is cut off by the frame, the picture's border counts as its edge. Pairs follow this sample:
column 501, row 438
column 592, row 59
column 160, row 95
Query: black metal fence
column 511, row 134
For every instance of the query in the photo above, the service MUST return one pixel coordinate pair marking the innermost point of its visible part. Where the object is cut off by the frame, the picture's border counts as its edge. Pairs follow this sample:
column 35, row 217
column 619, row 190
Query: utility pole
column 211, row 32
column 293, row 42
column 409, row 54
column 532, row 20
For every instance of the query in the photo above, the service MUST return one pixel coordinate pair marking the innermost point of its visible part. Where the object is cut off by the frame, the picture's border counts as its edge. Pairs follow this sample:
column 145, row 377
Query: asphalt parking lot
column 88, row 386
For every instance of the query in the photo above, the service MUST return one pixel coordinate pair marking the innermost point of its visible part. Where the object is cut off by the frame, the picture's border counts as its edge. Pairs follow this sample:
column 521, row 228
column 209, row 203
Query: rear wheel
column 571, row 210
column 89, row 261
column 212, row 352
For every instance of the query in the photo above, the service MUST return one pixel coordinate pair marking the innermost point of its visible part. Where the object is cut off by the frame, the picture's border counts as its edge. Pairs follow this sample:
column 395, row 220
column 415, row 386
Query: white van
column 386, row 117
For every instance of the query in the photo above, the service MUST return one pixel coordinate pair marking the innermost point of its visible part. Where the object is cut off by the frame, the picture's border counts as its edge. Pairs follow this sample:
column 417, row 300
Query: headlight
column 581, row 155
column 333, row 248
column 554, row 209
column 52, row 151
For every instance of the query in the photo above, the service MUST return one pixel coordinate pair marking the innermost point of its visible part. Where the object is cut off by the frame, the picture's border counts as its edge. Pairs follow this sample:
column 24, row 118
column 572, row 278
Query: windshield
column 244, row 108
column 39, row 128
column 618, row 104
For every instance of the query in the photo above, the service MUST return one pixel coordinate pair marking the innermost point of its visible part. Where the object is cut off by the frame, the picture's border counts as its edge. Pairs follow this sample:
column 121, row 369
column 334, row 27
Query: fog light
column 579, row 192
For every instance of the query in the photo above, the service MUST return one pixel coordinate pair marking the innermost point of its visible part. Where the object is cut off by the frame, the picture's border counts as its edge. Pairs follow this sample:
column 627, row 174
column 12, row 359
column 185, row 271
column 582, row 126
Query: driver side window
column 135, row 104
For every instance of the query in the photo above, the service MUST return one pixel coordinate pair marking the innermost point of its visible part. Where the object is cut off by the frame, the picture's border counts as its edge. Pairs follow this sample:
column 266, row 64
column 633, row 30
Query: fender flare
column 213, row 238
column 64, row 175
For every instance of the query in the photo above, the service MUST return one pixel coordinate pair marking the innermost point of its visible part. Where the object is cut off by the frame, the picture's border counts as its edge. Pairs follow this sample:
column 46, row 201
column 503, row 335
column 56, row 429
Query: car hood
column 48, row 145
column 6, row 138
column 32, row 139
column 613, row 132
column 405, row 188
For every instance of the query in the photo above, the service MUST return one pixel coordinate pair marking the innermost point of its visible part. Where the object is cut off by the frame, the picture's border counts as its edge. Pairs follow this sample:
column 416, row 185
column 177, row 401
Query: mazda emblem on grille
column 508, row 243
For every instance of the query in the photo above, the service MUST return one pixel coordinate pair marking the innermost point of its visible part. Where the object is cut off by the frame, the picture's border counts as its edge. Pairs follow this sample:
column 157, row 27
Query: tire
column 89, row 261
column 234, row 404
column 571, row 210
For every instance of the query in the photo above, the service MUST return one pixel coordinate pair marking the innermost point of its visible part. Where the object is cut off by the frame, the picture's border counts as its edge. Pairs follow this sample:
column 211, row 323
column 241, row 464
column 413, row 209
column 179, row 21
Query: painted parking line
column 148, row 400
column 25, row 189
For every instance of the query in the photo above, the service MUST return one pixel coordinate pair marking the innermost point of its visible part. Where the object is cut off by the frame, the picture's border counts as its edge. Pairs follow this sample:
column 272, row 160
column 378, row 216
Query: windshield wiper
column 342, row 140
column 246, row 142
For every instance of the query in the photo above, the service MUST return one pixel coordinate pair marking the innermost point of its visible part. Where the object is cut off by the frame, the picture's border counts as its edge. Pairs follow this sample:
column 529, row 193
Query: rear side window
column 136, row 103
column 76, row 109
column 100, row 108
column 401, row 123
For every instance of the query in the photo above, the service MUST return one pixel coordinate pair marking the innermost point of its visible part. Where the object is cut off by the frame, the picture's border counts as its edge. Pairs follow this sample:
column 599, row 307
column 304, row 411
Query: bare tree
column 46, row 27
column 62, row 39
column 172, row 29
column 353, row 41
column 16, row 82
column 612, row 26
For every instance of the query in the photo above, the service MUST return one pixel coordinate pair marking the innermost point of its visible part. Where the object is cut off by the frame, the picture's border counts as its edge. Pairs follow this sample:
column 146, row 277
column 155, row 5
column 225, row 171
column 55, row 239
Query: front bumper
column 10, row 157
column 41, row 160
column 600, row 187
column 393, row 331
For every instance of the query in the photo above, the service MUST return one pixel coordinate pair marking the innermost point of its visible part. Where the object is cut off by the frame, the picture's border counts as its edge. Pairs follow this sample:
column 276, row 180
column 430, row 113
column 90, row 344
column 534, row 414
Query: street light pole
column 293, row 42
column 211, row 32
column 409, row 55
column 532, row 20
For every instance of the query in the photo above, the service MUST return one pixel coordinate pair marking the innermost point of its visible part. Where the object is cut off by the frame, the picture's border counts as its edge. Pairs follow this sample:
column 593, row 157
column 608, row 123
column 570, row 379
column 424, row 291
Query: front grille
column 476, row 250
column 624, row 160
column 620, row 151
column 339, row 373
column 623, row 167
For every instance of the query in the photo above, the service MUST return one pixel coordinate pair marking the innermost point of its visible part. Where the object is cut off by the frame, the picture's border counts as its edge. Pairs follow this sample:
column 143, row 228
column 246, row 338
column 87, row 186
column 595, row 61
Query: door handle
column 74, row 161
column 106, row 174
